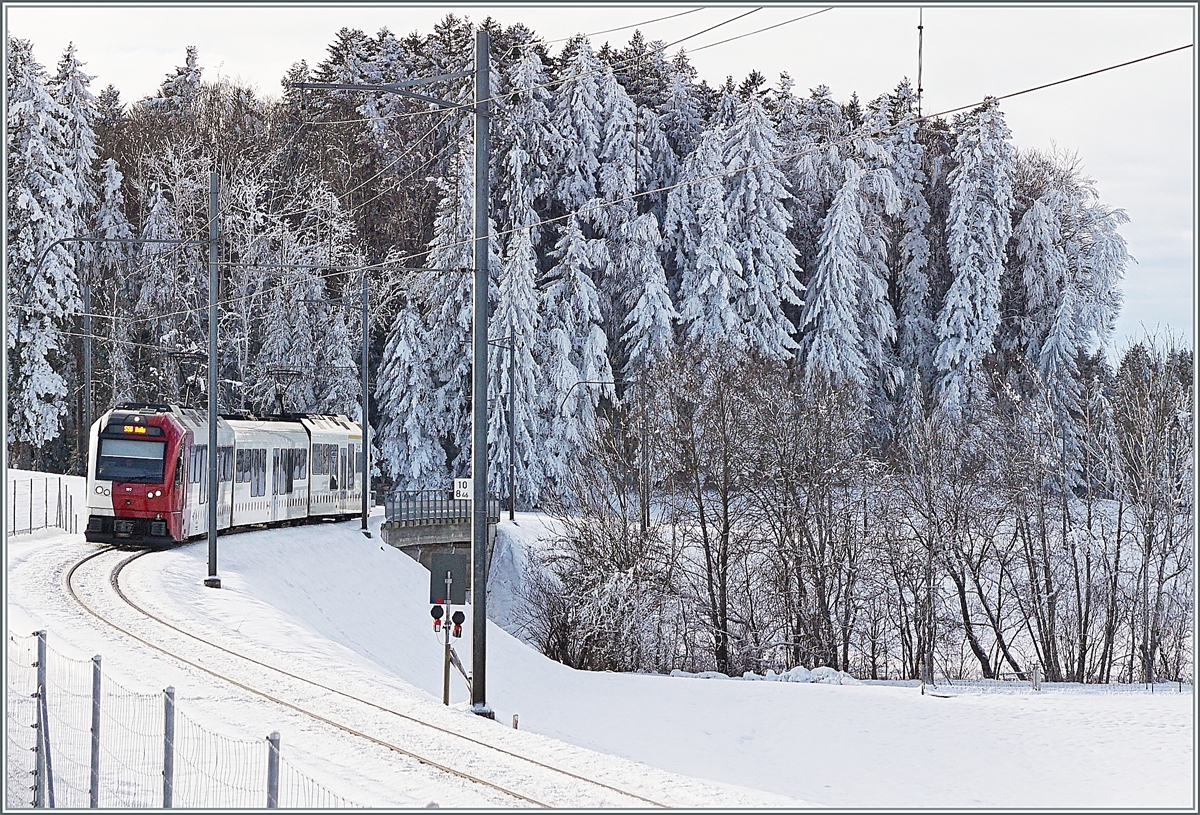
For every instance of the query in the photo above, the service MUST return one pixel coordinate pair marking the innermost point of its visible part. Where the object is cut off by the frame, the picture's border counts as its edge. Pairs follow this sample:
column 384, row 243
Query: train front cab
column 132, row 476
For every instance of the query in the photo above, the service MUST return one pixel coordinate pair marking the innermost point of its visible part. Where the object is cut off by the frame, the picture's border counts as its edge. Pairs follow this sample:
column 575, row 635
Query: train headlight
column 106, row 492
column 99, row 490
column 157, row 493
column 150, row 494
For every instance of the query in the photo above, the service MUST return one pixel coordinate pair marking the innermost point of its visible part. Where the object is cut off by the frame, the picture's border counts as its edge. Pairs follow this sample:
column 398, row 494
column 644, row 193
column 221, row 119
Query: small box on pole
column 457, row 565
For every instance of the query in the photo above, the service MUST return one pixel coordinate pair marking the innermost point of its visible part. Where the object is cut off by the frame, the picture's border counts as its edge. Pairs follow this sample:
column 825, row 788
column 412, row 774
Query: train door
column 275, row 484
column 342, row 481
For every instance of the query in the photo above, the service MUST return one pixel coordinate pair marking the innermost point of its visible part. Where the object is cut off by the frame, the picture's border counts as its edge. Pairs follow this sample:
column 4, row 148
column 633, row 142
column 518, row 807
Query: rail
column 432, row 508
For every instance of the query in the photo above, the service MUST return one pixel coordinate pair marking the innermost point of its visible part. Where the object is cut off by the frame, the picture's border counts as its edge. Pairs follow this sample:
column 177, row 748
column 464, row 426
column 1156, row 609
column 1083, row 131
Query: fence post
column 58, row 506
column 168, row 745
column 273, row 770
column 39, row 772
column 1037, row 677
column 45, row 777
column 95, row 787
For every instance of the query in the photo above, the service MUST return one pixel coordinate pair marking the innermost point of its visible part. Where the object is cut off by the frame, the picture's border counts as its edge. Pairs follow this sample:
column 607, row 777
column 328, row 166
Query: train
column 148, row 482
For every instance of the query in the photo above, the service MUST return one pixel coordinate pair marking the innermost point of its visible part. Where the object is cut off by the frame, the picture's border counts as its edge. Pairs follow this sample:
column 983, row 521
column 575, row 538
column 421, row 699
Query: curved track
column 606, row 790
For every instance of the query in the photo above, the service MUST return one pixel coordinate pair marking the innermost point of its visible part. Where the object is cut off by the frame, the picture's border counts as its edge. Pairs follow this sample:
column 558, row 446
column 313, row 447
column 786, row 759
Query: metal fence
column 40, row 503
column 432, row 508
column 1029, row 682
column 78, row 739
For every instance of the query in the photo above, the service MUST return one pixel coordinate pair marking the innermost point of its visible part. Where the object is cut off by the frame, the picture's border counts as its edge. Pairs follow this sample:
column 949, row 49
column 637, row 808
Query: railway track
column 491, row 766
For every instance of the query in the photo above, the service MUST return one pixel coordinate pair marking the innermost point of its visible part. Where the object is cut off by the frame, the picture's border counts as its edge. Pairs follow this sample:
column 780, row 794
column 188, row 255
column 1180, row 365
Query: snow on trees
column 648, row 333
column 832, row 338
column 111, row 258
column 977, row 233
column 43, row 288
column 758, row 228
column 698, row 227
column 575, row 348
column 178, row 92
column 529, row 143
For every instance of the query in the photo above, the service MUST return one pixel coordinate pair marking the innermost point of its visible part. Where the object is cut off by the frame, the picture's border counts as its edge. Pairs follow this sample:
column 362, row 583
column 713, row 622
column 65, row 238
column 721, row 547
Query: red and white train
column 148, row 472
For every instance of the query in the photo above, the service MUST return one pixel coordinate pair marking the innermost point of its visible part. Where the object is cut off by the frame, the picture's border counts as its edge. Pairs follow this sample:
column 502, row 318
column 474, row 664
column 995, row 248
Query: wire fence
column 1026, row 683
column 42, row 502
column 78, row 739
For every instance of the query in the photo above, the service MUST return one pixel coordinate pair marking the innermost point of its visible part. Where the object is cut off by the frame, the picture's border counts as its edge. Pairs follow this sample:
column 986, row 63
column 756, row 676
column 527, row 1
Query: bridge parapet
column 405, row 508
column 421, row 523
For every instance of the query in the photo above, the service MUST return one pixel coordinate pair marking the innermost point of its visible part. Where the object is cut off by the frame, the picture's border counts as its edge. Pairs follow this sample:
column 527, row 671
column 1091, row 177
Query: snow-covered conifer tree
column 530, row 142
column 681, row 110
column 43, row 290
column 758, row 227
column 648, row 333
column 832, row 335
column 914, row 340
column 70, row 86
column 977, row 233
column 111, row 258
column 710, row 273
column 579, row 119
column 178, row 92
column 409, row 432
column 575, row 347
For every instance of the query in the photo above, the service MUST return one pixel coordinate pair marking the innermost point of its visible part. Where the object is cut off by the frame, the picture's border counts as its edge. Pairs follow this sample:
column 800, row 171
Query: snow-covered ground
column 325, row 601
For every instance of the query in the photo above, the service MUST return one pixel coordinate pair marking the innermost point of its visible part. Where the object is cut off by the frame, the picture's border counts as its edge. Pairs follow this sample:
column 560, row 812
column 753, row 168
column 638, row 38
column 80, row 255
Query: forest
column 804, row 381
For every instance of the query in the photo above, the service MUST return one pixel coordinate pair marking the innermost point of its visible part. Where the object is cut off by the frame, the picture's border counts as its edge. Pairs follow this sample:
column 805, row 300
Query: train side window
column 274, row 470
column 255, row 461
column 301, row 464
column 179, row 470
column 342, row 471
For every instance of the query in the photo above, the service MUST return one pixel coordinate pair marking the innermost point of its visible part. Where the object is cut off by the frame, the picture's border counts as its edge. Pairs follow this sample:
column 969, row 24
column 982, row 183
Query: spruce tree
column 43, row 289
column 977, row 233
column 759, row 226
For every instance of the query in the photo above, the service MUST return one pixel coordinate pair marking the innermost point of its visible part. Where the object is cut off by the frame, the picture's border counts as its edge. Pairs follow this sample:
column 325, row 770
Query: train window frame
column 224, row 464
column 258, row 472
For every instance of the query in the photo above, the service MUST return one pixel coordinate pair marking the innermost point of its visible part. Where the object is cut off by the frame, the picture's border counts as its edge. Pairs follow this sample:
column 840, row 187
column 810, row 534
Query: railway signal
column 447, row 587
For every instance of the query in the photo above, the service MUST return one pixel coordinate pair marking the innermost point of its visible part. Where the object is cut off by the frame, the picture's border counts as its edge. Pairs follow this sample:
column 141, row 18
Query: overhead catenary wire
column 761, row 30
column 908, row 122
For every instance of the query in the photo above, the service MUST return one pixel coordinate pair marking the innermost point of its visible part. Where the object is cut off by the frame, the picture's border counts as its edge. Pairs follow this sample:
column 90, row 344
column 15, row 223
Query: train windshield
column 131, row 460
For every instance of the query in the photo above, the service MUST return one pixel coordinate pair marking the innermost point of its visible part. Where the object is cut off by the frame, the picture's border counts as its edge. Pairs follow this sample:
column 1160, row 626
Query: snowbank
column 822, row 675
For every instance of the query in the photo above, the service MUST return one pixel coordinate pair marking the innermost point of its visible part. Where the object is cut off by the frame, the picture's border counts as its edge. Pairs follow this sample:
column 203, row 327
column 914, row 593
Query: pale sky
column 1133, row 128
